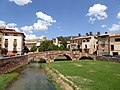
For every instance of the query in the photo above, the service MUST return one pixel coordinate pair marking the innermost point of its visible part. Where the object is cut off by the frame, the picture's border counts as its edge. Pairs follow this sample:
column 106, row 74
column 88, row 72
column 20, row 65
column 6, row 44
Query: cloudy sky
column 52, row 18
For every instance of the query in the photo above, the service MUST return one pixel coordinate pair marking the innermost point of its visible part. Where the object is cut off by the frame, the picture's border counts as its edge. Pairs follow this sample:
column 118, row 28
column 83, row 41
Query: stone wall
column 110, row 59
column 11, row 63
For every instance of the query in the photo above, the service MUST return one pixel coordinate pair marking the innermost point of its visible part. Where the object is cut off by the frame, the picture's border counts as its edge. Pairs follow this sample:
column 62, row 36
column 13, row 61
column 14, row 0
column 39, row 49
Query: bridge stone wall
column 49, row 56
column 11, row 63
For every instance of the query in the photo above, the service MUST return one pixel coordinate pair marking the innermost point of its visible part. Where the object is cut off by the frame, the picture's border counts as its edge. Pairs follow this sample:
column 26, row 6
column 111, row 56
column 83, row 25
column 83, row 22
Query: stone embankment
column 60, row 79
column 11, row 63
column 109, row 59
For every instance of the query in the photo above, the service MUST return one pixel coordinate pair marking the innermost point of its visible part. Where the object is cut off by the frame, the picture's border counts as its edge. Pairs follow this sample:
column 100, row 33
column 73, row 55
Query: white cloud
column 31, row 36
column 11, row 25
column 17, row 29
column 103, row 26
column 2, row 23
column 118, row 15
column 41, row 25
column 97, row 11
column 21, row 2
column 27, row 29
column 115, row 27
column 45, row 17
column 41, row 37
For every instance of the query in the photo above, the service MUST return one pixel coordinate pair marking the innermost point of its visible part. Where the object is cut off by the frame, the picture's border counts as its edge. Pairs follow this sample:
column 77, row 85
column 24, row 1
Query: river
column 32, row 78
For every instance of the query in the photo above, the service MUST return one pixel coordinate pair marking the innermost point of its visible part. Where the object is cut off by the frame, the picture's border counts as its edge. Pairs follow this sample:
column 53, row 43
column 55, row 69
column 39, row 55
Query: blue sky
column 52, row 18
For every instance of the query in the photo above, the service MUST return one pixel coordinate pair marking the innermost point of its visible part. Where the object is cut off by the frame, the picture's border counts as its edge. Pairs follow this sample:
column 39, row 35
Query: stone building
column 57, row 40
column 34, row 42
column 115, row 44
column 86, row 44
column 103, row 44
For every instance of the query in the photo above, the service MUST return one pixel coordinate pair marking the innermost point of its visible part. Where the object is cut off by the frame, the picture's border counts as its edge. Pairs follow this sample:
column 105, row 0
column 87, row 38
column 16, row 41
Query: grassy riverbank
column 5, row 79
column 90, row 75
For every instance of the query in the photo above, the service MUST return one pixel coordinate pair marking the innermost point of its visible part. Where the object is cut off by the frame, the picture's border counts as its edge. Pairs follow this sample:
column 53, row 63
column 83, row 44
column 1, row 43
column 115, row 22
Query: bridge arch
column 67, row 57
column 86, row 58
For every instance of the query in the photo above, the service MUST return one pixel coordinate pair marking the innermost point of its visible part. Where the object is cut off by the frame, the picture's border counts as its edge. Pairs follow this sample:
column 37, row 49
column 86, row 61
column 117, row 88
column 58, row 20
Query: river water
column 32, row 78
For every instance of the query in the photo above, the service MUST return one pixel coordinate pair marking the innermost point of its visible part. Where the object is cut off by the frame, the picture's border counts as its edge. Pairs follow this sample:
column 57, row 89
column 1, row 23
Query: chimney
column 98, row 33
column 106, row 32
column 87, row 34
column 79, row 35
column 91, row 34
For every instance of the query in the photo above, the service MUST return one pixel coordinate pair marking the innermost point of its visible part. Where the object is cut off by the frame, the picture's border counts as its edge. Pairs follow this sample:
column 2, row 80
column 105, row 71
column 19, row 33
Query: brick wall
column 11, row 63
column 110, row 59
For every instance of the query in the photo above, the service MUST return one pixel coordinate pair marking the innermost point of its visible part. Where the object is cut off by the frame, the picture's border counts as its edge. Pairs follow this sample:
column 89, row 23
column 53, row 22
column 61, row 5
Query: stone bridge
column 49, row 56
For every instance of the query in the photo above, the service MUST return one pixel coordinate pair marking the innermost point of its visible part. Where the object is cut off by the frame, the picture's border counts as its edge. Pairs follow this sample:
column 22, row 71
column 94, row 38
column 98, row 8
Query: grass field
column 90, row 75
column 5, row 79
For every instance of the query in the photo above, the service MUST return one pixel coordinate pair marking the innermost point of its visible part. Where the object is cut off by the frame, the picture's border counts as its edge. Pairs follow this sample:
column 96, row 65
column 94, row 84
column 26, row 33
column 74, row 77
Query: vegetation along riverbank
column 6, row 79
column 85, row 74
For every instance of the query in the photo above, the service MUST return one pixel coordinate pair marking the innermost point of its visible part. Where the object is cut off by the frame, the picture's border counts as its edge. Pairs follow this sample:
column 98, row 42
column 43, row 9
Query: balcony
column 14, row 50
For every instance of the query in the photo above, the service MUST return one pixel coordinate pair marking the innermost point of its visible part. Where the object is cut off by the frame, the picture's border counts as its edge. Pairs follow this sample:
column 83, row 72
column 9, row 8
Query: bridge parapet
column 49, row 56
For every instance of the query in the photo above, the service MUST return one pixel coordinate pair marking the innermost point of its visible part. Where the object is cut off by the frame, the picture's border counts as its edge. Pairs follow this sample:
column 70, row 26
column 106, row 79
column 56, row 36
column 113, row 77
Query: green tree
column 47, row 46
column 63, row 42
column 33, row 49
column 26, row 50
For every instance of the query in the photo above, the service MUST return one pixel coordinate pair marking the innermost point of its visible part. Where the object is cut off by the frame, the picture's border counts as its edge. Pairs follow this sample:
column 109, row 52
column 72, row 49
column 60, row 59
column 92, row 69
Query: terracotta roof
column 103, row 35
column 83, row 37
column 67, row 38
column 2, row 27
column 4, row 30
column 115, row 35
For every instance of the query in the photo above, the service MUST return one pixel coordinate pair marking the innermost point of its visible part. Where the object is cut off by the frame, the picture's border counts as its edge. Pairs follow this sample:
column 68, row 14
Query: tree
column 47, row 46
column 33, row 48
column 63, row 42
column 26, row 50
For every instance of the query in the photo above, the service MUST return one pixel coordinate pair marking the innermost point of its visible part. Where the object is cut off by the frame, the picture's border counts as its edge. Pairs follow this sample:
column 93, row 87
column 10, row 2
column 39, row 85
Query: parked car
column 107, row 55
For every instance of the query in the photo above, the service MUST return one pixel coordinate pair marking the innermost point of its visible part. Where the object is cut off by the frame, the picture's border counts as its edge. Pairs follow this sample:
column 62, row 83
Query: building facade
column 86, row 44
column 57, row 40
column 11, row 41
column 103, row 44
column 115, row 44
column 34, row 42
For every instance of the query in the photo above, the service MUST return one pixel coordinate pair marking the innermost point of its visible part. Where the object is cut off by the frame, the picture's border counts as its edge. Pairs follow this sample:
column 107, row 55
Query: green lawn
column 5, row 79
column 90, row 75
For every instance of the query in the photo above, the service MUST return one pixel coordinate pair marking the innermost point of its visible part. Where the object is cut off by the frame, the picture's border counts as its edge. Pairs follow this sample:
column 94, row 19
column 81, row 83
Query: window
column 85, row 46
column 6, row 43
column 15, row 42
column 103, row 36
column 78, row 46
column 117, row 40
column 83, row 40
column 73, row 46
column 15, row 35
column 112, row 47
column 88, row 40
column 103, row 44
column 15, row 45
column 6, row 34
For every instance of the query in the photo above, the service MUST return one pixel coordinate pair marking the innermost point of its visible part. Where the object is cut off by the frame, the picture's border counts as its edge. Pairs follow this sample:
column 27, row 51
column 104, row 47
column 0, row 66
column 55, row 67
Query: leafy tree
column 63, row 42
column 47, row 46
column 26, row 50
column 33, row 49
